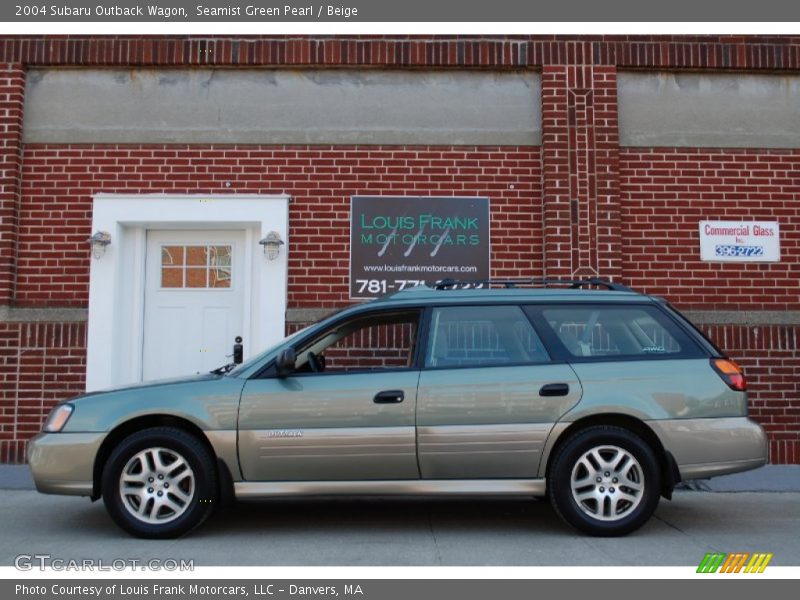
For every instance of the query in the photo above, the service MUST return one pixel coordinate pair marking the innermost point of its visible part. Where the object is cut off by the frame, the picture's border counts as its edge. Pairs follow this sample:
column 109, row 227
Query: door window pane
column 383, row 341
column 172, row 256
column 219, row 278
column 219, row 260
column 196, row 256
column 196, row 266
column 598, row 331
column 478, row 336
column 196, row 278
column 171, row 278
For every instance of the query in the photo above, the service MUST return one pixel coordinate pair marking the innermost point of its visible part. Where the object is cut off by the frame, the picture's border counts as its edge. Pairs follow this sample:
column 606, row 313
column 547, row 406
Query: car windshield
column 259, row 357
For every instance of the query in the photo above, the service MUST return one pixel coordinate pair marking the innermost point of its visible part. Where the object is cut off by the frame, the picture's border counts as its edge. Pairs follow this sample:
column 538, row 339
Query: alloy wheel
column 607, row 483
column 157, row 485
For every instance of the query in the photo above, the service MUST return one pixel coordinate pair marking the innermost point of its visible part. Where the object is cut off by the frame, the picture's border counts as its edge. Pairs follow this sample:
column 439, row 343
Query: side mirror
column 286, row 361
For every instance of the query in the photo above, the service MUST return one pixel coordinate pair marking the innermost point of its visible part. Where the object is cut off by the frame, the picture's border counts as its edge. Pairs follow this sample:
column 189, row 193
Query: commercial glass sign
column 398, row 242
column 740, row 241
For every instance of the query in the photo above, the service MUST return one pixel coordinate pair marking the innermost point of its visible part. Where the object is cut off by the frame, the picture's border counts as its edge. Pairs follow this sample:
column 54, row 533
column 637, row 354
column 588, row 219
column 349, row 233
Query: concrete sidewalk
column 770, row 478
column 419, row 531
column 15, row 477
column 406, row 531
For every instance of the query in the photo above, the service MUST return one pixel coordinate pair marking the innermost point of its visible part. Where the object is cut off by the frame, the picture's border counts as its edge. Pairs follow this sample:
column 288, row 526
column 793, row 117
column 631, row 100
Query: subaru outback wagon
column 601, row 400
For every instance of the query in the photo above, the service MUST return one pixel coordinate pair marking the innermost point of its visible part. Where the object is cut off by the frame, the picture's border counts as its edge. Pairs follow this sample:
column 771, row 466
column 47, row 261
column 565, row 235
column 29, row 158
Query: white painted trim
column 116, row 280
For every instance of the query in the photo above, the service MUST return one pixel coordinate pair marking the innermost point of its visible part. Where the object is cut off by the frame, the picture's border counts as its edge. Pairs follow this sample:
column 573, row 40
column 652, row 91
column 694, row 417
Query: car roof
column 426, row 295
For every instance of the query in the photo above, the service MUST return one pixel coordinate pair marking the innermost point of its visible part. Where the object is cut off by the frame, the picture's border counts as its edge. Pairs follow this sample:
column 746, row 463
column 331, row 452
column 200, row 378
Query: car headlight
column 58, row 418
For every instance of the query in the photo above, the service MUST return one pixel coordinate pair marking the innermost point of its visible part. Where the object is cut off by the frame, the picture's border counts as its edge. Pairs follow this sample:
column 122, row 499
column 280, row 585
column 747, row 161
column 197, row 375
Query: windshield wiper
column 224, row 369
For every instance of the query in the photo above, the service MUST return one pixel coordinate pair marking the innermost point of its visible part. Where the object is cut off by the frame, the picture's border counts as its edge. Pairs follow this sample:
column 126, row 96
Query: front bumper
column 63, row 463
column 714, row 446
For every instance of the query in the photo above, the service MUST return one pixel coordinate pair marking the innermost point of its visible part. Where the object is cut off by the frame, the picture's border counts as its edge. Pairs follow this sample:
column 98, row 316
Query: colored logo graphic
column 737, row 562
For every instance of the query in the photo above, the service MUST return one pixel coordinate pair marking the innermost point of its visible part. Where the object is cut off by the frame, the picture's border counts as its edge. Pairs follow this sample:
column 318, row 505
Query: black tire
column 199, row 486
column 599, row 518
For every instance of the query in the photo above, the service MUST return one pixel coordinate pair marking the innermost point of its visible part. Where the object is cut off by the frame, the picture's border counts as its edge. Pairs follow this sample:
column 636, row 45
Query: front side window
column 609, row 331
column 366, row 343
column 482, row 336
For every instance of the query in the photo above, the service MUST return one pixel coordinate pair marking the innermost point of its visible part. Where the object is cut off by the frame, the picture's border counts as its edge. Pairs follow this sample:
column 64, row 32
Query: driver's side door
column 348, row 414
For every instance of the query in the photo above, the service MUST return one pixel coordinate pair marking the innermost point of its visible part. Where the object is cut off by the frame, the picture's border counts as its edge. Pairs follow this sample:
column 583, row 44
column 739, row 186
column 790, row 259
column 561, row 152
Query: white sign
column 740, row 241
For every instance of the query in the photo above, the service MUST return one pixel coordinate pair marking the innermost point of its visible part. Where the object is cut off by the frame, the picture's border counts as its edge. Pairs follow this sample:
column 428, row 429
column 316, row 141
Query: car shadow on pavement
column 354, row 515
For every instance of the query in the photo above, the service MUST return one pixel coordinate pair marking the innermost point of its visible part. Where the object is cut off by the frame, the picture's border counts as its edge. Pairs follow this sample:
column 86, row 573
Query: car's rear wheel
column 160, row 483
column 605, row 481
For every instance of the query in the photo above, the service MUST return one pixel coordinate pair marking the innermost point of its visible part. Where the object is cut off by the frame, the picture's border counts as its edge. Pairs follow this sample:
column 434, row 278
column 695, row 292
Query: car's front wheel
column 605, row 481
column 160, row 483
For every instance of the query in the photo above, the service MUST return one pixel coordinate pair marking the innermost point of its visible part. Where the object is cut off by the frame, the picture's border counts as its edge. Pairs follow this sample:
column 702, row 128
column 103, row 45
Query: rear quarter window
column 633, row 332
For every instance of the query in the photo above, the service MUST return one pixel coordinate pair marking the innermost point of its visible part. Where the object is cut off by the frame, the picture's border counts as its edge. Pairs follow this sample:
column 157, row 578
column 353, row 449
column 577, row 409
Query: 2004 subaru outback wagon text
column 601, row 399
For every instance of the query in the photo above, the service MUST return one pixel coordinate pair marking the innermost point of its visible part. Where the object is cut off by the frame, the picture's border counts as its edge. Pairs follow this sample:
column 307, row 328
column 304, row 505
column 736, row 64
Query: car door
column 345, row 413
column 489, row 394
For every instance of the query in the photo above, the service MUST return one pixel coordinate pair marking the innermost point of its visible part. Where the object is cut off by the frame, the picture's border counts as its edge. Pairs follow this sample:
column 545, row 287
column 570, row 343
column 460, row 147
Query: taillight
column 731, row 373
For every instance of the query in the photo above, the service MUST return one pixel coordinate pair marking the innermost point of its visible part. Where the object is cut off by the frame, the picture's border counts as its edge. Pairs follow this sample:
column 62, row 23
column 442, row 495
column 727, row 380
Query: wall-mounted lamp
column 99, row 241
column 271, row 243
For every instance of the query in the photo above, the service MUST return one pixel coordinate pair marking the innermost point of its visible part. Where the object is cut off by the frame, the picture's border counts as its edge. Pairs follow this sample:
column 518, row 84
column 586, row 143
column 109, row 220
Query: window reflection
column 196, row 266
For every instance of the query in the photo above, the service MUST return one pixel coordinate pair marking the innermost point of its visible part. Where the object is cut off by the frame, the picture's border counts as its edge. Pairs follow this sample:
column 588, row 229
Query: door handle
column 554, row 389
column 389, row 397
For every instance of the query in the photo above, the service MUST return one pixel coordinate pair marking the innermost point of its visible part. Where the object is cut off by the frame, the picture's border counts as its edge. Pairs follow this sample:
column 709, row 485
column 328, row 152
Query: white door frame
column 116, row 280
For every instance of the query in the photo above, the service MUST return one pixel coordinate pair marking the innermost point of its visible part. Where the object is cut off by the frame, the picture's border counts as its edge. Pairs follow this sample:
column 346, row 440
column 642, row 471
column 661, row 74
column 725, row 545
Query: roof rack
column 573, row 284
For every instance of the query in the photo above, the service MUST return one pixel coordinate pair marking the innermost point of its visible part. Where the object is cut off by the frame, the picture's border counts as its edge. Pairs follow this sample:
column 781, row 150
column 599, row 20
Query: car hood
column 148, row 384
column 209, row 401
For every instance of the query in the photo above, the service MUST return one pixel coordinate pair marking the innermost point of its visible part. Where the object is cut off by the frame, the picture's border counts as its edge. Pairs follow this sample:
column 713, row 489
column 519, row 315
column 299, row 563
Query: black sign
column 397, row 242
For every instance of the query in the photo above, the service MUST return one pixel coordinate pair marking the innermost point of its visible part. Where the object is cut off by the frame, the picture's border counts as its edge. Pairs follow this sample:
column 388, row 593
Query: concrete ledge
column 12, row 314
column 277, row 106
column 718, row 110
column 769, row 478
column 743, row 317
column 16, row 477
column 308, row 315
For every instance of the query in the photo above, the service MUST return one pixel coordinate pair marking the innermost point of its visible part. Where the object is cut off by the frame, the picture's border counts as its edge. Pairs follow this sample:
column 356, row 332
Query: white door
column 194, row 301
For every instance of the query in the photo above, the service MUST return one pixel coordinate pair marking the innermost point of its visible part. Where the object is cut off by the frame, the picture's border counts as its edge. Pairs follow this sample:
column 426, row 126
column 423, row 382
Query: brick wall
column 579, row 148
column 664, row 192
column 774, row 52
column 12, row 90
column 770, row 357
column 40, row 364
column 59, row 183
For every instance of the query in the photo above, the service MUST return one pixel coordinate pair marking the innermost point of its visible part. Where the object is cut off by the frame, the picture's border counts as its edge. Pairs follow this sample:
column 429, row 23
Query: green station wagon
column 601, row 400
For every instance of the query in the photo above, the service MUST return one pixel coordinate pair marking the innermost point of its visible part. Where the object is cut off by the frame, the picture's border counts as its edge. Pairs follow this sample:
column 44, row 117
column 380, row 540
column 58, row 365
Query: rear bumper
column 63, row 463
column 706, row 470
column 709, row 447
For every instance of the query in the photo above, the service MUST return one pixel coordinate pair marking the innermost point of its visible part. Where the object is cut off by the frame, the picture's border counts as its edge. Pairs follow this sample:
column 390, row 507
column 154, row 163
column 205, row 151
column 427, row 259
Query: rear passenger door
column 489, row 394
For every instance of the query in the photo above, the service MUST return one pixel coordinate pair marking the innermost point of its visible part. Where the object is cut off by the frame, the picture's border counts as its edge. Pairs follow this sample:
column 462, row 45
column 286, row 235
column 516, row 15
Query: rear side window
column 597, row 331
column 482, row 336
